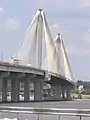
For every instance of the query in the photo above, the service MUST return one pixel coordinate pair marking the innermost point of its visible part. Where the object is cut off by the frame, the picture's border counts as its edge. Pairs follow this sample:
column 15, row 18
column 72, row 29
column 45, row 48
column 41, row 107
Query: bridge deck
column 20, row 68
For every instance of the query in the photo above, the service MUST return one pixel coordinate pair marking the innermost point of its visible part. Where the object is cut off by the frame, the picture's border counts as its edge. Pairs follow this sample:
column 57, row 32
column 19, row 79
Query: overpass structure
column 37, row 63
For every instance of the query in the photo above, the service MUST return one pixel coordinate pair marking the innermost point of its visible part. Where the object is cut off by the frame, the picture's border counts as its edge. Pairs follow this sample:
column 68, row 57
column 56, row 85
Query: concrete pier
column 15, row 87
column 58, row 91
column 56, row 88
column 26, row 89
column 0, row 84
column 63, row 92
column 68, row 93
column 4, row 89
column 38, row 88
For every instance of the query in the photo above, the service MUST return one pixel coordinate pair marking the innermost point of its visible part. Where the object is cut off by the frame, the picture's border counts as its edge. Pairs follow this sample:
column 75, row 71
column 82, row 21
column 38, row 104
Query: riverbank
column 83, row 96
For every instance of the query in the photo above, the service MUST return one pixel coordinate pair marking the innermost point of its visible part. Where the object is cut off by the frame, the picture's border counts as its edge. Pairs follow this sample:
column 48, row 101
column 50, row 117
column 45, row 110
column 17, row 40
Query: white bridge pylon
column 67, row 68
column 60, row 56
column 31, row 47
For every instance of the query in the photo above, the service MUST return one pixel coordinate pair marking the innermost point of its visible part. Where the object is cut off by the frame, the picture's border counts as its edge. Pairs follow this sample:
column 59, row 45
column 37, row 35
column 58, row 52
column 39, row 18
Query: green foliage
column 86, row 86
column 79, row 96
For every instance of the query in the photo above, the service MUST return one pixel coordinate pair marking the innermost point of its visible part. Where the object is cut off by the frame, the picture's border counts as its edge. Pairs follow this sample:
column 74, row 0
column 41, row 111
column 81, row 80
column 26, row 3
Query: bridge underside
column 60, row 88
column 18, row 86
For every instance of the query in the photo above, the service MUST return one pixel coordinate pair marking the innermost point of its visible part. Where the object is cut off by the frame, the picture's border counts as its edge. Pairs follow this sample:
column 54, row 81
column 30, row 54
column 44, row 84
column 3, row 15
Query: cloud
column 1, row 10
column 55, row 26
column 11, row 24
column 87, row 52
column 87, row 37
column 86, row 3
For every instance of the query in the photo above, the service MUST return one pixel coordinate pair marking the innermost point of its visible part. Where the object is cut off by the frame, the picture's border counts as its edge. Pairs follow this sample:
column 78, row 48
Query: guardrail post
column 59, row 117
column 38, row 116
column 17, row 116
column 0, row 114
column 81, row 117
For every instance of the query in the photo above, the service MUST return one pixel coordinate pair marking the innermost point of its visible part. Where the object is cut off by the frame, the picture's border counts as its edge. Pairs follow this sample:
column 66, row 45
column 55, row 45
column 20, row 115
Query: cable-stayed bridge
column 40, row 67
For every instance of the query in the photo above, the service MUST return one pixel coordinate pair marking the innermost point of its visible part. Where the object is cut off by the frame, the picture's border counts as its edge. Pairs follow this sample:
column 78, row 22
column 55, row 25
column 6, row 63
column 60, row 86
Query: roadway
column 78, row 104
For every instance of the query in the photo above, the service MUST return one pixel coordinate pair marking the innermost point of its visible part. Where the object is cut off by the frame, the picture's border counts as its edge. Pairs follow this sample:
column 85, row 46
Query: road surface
column 77, row 104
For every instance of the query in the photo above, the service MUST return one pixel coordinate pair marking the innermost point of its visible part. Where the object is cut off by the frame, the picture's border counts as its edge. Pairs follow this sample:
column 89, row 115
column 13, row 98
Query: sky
column 71, row 18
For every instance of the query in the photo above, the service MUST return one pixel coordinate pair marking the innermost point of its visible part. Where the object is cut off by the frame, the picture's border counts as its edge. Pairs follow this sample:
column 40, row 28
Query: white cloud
column 55, row 26
column 1, row 10
column 86, row 3
column 87, row 52
column 11, row 24
column 87, row 37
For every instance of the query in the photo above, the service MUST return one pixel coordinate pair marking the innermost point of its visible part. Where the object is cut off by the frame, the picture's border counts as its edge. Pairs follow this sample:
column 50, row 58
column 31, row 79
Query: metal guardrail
column 46, row 111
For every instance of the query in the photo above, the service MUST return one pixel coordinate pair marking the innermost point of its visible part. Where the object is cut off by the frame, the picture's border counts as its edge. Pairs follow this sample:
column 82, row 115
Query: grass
column 83, row 96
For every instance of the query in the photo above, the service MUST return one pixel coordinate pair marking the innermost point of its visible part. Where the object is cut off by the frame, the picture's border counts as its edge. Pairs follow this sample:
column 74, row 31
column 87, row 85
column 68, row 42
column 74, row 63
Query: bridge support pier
column 49, row 93
column 26, row 89
column 57, row 91
column 4, row 90
column 15, row 86
column 0, row 85
column 68, row 93
column 38, row 88
column 63, row 92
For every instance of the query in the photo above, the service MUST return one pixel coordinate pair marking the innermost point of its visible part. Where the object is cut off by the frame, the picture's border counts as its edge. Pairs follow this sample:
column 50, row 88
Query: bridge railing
column 45, row 111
